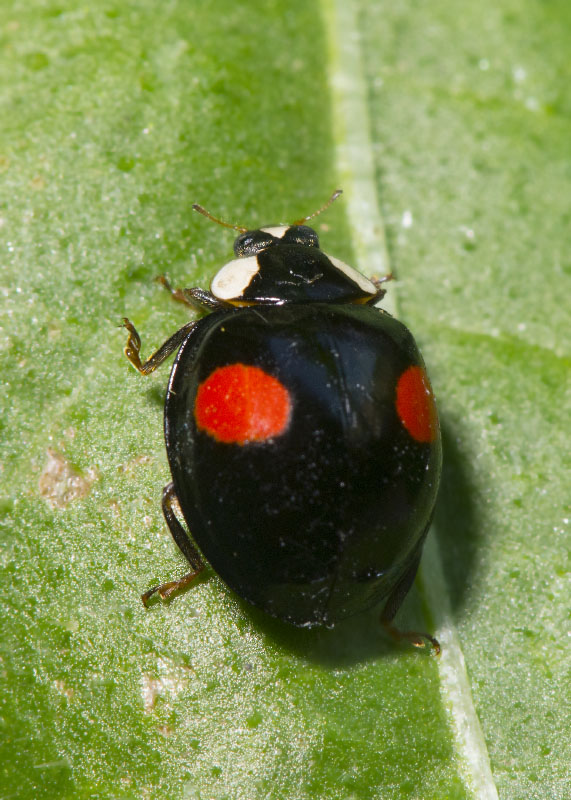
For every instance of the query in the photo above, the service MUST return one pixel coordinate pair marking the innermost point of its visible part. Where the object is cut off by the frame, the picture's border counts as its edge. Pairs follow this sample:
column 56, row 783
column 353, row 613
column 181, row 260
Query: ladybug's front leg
column 195, row 298
column 187, row 548
column 381, row 292
column 133, row 347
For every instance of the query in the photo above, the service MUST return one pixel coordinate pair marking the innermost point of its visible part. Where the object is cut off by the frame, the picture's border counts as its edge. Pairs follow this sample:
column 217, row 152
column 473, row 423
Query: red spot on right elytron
column 238, row 404
column 415, row 405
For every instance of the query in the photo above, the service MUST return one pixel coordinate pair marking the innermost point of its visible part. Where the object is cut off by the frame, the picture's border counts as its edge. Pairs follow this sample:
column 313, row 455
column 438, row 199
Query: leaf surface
column 113, row 121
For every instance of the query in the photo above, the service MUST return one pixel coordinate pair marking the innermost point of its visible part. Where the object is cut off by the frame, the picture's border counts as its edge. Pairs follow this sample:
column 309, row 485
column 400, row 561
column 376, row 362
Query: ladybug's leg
column 384, row 279
column 133, row 347
column 393, row 604
column 195, row 298
column 378, row 296
column 187, row 548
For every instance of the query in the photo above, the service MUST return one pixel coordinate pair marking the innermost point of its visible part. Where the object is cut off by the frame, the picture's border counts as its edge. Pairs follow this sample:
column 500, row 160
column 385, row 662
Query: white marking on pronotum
column 354, row 275
column 278, row 231
column 233, row 278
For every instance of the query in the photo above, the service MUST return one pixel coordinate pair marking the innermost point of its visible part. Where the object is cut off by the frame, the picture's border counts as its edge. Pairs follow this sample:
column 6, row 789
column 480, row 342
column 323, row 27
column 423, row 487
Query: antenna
column 207, row 214
column 324, row 207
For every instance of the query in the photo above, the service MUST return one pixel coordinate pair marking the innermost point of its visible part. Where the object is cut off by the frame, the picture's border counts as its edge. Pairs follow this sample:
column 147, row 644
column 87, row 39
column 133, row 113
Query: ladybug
column 301, row 433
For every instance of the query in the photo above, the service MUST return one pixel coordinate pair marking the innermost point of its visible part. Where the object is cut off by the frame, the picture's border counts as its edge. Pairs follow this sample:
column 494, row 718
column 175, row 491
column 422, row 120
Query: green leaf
column 449, row 130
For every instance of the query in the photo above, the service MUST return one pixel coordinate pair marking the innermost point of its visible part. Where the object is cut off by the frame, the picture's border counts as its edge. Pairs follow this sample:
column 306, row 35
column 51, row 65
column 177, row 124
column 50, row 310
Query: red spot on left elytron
column 415, row 405
column 239, row 404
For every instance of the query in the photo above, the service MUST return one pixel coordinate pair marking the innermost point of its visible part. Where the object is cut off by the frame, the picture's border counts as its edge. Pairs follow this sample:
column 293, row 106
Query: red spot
column 239, row 404
column 415, row 405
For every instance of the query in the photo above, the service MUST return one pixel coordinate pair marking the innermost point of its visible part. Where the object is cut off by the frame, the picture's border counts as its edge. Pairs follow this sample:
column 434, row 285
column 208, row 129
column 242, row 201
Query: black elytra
column 301, row 434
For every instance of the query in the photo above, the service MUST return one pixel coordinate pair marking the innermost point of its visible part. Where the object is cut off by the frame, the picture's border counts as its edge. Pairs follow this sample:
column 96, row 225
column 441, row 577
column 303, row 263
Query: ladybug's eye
column 252, row 242
column 301, row 234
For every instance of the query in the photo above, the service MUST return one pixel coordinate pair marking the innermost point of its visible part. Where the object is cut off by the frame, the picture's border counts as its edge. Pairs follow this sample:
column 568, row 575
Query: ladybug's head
column 284, row 264
column 250, row 243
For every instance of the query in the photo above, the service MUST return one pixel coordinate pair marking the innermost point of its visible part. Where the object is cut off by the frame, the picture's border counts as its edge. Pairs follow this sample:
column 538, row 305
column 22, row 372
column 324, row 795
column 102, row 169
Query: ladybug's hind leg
column 180, row 536
column 417, row 638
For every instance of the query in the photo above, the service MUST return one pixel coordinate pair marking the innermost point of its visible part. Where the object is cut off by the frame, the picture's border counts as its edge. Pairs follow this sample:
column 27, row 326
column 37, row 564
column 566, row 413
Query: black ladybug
column 301, row 433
